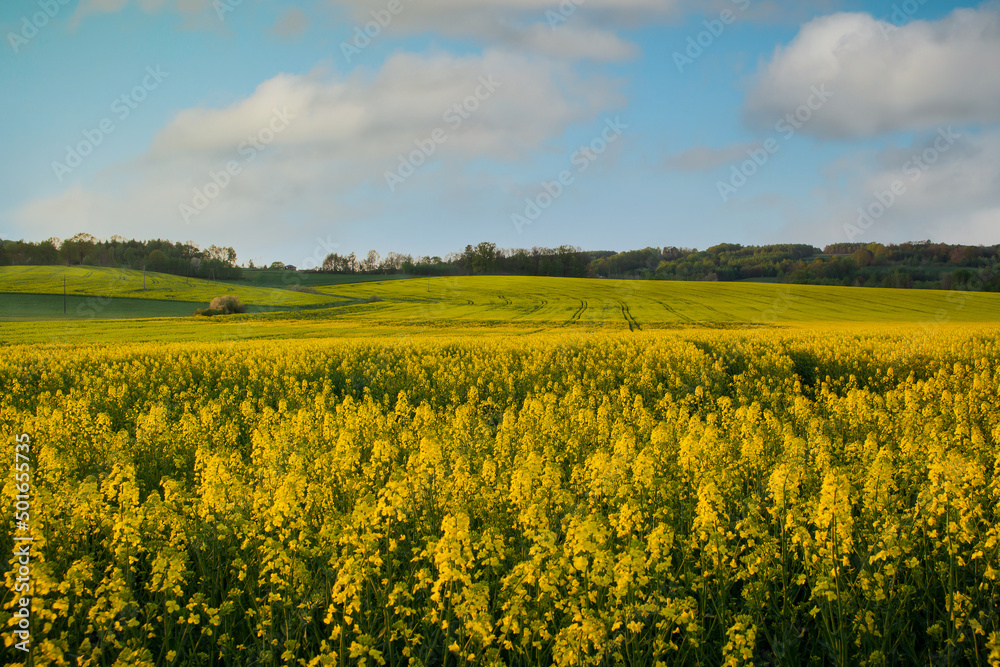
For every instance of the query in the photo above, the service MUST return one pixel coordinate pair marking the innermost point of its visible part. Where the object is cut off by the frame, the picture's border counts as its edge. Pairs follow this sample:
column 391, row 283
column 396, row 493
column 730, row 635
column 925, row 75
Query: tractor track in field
column 535, row 308
column 542, row 303
column 672, row 311
column 579, row 312
column 633, row 324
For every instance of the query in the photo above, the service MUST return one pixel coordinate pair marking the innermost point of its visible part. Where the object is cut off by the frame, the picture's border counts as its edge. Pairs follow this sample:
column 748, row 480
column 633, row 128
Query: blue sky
column 280, row 129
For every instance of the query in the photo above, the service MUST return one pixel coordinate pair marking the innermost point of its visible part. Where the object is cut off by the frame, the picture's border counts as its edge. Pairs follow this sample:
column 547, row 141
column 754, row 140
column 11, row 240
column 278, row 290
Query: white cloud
column 943, row 187
column 570, row 29
column 342, row 135
column 883, row 80
column 362, row 117
column 459, row 14
column 580, row 29
column 576, row 43
column 585, row 29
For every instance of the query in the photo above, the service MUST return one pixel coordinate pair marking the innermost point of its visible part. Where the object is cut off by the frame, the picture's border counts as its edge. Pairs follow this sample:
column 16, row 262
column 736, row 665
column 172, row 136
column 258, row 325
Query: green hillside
column 515, row 306
column 531, row 300
column 17, row 307
column 125, row 283
column 282, row 279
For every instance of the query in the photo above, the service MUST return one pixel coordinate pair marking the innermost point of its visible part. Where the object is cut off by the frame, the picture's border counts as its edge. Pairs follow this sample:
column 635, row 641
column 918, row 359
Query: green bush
column 229, row 304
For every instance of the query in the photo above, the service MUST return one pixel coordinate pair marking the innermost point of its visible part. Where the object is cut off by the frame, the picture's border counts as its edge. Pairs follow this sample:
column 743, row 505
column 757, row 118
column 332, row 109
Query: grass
column 16, row 307
column 505, row 306
column 285, row 279
column 656, row 303
column 125, row 283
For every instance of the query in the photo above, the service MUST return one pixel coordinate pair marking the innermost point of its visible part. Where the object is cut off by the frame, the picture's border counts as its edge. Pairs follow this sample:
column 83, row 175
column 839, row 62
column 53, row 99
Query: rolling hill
column 112, row 293
column 515, row 305
column 561, row 301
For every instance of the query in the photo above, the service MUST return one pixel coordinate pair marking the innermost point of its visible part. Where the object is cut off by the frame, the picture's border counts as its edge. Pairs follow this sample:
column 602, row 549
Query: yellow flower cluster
column 689, row 497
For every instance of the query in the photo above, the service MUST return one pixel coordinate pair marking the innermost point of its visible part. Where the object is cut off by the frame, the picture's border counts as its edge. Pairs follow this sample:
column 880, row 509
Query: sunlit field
column 488, row 305
column 590, row 486
column 107, row 284
column 534, row 333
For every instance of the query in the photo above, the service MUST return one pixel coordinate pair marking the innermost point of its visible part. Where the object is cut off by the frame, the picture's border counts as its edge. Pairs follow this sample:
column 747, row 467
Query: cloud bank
column 885, row 78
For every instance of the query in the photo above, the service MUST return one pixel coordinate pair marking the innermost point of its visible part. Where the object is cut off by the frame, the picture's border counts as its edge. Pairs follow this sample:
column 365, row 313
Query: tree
column 863, row 258
column 47, row 253
column 481, row 259
column 225, row 255
column 394, row 262
column 370, row 264
column 158, row 260
column 880, row 254
column 75, row 249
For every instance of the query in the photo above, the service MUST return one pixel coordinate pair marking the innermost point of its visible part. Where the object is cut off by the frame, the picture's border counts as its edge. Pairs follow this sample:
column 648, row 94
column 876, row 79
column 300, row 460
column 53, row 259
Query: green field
column 640, row 304
column 510, row 471
column 25, row 307
column 284, row 279
column 125, row 283
column 514, row 305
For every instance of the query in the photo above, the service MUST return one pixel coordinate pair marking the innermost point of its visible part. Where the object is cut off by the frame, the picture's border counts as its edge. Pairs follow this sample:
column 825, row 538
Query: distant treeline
column 183, row 259
column 908, row 265
column 483, row 259
column 920, row 264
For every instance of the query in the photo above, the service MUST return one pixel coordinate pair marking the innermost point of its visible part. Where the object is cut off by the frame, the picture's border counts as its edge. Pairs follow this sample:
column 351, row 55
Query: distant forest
column 920, row 264
column 182, row 259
